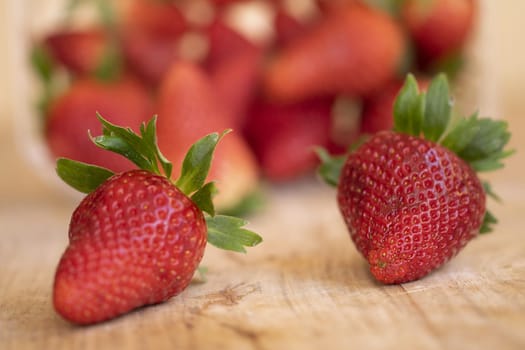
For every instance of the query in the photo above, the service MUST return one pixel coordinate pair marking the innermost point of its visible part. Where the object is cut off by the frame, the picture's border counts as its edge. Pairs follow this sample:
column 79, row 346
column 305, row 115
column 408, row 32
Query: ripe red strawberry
column 283, row 136
column 411, row 198
column 72, row 115
column 439, row 28
column 137, row 237
column 148, row 57
column 378, row 108
column 221, row 3
column 354, row 50
column 334, row 5
column 188, row 106
column 287, row 28
column 235, row 82
column 233, row 63
column 224, row 43
column 150, row 36
column 160, row 19
column 80, row 51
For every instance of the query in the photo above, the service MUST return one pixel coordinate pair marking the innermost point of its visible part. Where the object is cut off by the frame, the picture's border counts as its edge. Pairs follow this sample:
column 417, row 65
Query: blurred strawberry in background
column 150, row 31
column 318, row 73
column 333, row 5
column 188, row 107
column 439, row 28
column 73, row 114
column 354, row 50
column 283, row 136
column 287, row 28
column 81, row 52
column 233, row 63
column 378, row 108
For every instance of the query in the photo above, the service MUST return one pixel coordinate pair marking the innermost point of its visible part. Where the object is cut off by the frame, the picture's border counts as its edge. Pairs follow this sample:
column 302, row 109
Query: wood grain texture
column 305, row 287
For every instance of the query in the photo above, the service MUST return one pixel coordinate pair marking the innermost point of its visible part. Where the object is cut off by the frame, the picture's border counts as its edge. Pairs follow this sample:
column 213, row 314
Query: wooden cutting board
column 305, row 287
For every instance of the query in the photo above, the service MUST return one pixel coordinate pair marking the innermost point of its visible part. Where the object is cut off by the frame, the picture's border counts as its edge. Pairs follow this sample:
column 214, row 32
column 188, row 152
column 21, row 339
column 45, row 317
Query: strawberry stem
column 225, row 232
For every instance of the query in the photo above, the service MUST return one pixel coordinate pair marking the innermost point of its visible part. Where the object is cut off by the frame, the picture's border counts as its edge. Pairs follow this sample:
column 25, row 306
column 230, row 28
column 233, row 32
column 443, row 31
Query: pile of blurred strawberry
column 318, row 73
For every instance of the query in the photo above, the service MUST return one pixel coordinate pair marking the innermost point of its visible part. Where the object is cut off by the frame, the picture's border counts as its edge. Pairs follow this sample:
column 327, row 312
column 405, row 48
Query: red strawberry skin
column 79, row 51
column 147, row 56
column 283, row 136
column 188, row 107
column 160, row 19
column 224, row 43
column 73, row 114
column 439, row 27
column 150, row 36
column 354, row 50
column 287, row 28
column 233, row 63
column 410, row 205
column 136, row 240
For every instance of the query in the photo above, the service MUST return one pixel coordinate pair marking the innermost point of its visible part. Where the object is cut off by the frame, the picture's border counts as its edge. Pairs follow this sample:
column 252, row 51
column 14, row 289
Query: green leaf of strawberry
column 81, row 176
column 153, row 231
column 42, row 64
column 203, row 198
column 489, row 220
column 438, row 108
column 409, row 108
column 227, row 232
column 330, row 167
column 462, row 133
column 142, row 149
column 197, row 163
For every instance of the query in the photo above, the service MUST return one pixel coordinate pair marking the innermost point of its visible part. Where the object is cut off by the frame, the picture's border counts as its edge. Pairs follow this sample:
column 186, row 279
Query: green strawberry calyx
column 481, row 142
column 225, row 232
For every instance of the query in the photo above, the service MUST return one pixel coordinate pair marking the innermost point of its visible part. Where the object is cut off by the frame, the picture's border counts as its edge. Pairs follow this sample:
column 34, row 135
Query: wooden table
column 305, row 287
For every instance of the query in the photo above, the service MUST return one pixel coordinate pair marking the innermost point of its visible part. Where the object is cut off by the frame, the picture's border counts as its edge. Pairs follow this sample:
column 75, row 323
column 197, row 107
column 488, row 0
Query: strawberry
column 137, row 238
column 150, row 36
column 160, row 19
column 233, row 64
column 283, row 136
column 148, row 57
column 354, row 50
column 410, row 197
column 221, row 3
column 79, row 51
column 235, row 82
column 188, row 106
column 377, row 108
column 72, row 115
column 287, row 28
column 439, row 28
column 327, row 6
column 224, row 43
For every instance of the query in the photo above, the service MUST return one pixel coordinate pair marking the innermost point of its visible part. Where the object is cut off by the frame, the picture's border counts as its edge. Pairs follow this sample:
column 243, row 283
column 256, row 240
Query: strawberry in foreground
column 137, row 237
column 411, row 197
